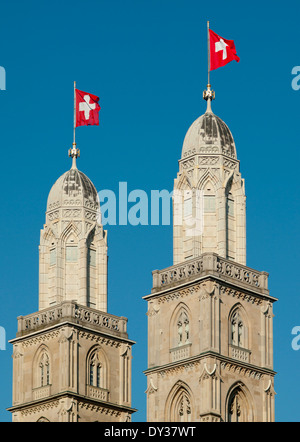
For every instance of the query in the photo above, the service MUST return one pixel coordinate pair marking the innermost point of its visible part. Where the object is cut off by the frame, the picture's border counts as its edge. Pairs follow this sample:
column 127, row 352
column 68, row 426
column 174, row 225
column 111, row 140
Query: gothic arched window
column 44, row 369
column 97, row 370
column 238, row 328
column 179, row 404
column 239, row 409
column 184, row 408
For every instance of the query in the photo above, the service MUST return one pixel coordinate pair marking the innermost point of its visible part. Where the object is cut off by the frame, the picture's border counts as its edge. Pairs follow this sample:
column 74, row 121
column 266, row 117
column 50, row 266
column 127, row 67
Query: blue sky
column 147, row 61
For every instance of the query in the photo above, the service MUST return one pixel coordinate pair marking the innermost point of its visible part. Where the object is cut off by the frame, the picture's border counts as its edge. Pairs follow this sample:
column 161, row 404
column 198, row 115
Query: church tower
column 72, row 359
column 210, row 318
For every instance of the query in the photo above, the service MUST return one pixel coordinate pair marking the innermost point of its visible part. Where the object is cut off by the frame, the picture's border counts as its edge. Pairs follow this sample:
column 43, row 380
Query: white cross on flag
column 222, row 51
column 87, row 109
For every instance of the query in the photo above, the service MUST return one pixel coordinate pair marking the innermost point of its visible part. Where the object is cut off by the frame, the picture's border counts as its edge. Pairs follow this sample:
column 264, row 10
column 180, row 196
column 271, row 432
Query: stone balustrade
column 75, row 313
column 97, row 393
column 180, row 352
column 41, row 392
column 210, row 264
column 241, row 354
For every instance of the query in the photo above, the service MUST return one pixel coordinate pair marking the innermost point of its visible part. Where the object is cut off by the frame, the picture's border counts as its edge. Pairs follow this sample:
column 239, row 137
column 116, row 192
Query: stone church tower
column 210, row 336
column 72, row 359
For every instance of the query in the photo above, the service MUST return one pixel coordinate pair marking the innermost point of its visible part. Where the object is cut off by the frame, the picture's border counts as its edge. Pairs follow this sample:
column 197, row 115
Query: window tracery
column 44, row 369
column 96, row 376
column 183, row 329
column 239, row 409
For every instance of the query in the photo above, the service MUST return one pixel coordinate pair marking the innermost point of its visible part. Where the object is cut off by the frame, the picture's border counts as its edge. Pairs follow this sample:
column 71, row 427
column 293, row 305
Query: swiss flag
column 222, row 51
column 87, row 109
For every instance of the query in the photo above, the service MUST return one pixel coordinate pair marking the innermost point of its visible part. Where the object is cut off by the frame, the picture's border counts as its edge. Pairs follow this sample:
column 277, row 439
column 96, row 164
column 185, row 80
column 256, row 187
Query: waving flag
column 222, row 51
column 87, row 109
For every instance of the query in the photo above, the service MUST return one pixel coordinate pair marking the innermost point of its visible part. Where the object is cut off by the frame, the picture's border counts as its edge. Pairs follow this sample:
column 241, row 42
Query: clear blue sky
column 147, row 61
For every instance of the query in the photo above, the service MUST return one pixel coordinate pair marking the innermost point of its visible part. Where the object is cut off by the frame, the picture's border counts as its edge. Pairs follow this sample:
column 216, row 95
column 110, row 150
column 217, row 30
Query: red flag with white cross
column 87, row 109
column 222, row 51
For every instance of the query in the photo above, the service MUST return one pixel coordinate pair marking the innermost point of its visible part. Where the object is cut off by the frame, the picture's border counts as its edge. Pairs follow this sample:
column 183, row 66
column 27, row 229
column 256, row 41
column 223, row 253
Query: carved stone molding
column 179, row 294
column 151, row 388
column 71, row 213
column 40, row 408
column 99, row 409
column 207, row 289
column 240, row 295
column 208, row 160
column 188, row 163
column 208, row 372
column 37, row 340
column 99, row 339
column 244, row 371
column 179, row 368
column 152, row 311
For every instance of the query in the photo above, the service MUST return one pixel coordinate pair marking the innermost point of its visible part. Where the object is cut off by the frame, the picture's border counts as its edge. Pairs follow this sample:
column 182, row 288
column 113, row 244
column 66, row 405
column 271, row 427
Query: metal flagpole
column 74, row 152
column 208, row 94
column 74, row 142
column 208, row 54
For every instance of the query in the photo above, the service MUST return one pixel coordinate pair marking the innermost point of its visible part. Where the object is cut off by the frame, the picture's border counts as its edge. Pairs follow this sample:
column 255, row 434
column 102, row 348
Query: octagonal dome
column 208, row 134
column 73, row 188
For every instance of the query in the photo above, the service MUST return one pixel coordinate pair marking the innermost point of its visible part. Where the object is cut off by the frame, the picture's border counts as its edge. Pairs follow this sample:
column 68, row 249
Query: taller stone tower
column 72, row 359
column 210, row 318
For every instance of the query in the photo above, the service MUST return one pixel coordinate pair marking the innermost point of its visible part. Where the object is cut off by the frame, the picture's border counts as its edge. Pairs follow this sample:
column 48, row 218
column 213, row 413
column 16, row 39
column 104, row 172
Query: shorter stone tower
column 72, row 359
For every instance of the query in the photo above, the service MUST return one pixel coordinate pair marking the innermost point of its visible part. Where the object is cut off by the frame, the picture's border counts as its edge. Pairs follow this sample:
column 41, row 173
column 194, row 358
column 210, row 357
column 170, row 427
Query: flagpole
column 208, row 54
column 208, row 94
column 74, row 152
column 74, row 142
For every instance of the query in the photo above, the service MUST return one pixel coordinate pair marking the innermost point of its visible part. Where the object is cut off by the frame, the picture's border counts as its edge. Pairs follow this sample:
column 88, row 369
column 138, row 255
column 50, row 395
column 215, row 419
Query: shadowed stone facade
column 210, row 317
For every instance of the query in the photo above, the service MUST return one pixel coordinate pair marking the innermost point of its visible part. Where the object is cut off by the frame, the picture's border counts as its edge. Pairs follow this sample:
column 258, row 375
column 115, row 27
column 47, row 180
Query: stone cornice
column 193, row 287
column 225, row 363
column 54, row 401
column 53, row 332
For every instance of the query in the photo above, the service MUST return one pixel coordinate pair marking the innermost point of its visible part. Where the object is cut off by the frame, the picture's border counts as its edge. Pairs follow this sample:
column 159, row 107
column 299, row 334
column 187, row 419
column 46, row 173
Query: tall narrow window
column 209, row 203
column 42, row 374
column 96, row 376
column 71, row 253
column 91, row 380
column 52, row 257
column 44, row 367
column 230, row 205
column 187, row 204
column 237, row 330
